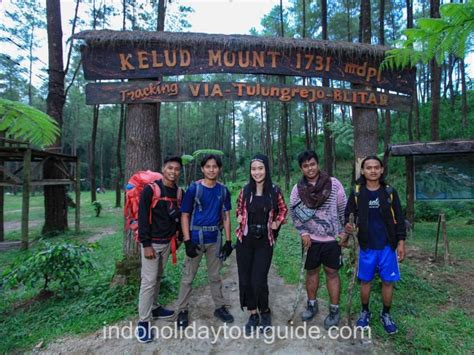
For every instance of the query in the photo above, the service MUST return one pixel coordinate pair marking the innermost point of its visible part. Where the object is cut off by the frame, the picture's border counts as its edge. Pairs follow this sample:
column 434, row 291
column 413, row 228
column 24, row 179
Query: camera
column 257, row 230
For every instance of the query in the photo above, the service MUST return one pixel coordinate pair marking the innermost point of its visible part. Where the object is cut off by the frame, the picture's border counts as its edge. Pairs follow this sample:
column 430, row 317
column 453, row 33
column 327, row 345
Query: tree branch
column 73, row 78
column 72, row 32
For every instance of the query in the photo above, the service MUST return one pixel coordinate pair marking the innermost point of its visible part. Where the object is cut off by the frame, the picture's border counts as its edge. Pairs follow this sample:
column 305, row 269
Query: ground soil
column 457, row 273
column 282, row 297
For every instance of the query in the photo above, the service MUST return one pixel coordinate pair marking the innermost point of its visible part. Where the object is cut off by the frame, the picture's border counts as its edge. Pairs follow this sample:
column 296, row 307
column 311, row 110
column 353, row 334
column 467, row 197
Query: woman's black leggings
column 254, row 257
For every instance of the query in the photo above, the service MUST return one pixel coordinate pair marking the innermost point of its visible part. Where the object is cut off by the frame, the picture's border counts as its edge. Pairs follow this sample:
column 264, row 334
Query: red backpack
column 134, row 189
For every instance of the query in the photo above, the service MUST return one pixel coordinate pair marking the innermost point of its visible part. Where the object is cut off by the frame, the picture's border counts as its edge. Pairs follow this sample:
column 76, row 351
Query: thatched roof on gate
column 234, row 42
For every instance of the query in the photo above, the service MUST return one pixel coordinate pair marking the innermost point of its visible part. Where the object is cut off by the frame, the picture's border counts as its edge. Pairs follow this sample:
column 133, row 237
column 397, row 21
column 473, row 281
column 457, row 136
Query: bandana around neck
column 313, row 196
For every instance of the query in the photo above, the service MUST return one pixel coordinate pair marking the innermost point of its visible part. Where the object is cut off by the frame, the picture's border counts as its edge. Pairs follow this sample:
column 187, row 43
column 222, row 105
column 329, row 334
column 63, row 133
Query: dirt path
column 16, row 225
column 281, row 300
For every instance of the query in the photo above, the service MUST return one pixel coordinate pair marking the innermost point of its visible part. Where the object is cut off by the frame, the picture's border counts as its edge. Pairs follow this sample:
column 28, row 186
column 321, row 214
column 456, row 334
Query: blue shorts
column 384, row 261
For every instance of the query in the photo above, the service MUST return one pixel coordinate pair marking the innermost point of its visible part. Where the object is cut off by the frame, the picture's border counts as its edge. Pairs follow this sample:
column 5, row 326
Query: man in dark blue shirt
column 205, row 211
column 381, row 236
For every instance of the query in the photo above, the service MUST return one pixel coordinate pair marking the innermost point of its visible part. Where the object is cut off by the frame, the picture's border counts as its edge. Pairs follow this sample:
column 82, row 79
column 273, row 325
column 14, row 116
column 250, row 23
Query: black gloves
column 226, row 250
column 191, row 248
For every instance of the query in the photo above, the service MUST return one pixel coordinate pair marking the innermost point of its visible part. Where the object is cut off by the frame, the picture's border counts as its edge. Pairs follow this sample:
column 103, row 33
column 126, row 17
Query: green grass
column 96, row 304
column 428, row 318
column 425, row 307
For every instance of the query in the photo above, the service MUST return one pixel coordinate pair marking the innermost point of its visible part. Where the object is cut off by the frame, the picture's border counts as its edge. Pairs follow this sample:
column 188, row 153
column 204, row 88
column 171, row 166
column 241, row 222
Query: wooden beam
column 429, row 148
column 134, row 92
column 13, row 177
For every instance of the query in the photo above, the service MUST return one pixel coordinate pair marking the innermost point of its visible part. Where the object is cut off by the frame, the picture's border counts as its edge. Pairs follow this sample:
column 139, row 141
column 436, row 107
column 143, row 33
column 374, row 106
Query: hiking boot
column 310, row 311
column 388, row 323
column 265, row 321
column 144, row 333
column 252, row 324
column 162, row 313
column 364, row 319
column 333, row 318
column 224, row 315
column 183, row 320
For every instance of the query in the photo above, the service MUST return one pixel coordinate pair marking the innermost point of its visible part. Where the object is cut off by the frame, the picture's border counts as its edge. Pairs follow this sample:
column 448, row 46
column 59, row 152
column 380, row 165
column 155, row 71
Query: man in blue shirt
column 381, row 236
column 205, row 211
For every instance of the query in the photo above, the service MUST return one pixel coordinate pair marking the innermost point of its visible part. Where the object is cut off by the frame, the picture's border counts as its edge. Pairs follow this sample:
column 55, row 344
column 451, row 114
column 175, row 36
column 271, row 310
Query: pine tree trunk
column 140, row 155
column 95, row 121
column 119, row 179
column 234, row 156
column 364, row 120
column 268, row 135
column 464, row 107
column 435, row 83
column 55, row 196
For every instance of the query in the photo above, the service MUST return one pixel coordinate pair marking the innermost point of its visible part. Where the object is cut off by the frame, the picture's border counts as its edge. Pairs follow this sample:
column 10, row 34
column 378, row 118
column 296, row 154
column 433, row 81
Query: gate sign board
column 139, row 55
column 156, row 91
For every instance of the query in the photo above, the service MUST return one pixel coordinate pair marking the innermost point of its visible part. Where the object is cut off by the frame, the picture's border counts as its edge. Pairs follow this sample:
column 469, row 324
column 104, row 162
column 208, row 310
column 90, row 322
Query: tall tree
column 24, row 34
column 160, row 26
column 435, row 82
column 388, row 117
column 284, row 115
column 55, row 196
column 329, row 159
column 364, row 120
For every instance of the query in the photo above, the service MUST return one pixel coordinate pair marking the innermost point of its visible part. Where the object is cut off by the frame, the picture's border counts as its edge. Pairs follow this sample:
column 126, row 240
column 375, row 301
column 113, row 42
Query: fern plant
column 436, row 38
column 186, row 158
column 343, row 133
column 23, row 122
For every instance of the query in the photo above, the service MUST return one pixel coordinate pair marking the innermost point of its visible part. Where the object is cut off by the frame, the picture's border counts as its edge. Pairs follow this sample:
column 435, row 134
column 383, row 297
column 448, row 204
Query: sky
column 228, row 16
column 209, row 16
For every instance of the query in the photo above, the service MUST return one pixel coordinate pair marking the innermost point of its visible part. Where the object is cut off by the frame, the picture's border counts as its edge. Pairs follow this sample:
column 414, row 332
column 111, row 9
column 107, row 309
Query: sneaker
column 310, row 312
column 265, row 321
column 162, row 313
column 252, row 324
column 364, row 319
column 388, row 323
column 332, row 319
column 224, row 315
column 183, row 320
column 143, row 332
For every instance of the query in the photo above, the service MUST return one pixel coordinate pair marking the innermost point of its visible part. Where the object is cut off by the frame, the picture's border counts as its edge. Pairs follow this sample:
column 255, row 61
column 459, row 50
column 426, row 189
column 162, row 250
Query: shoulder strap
column 356, row 194
column 197, row 196
column 223, row 196
column 179, row 196
column 155, row 197
column 155, row 187
column 389, row 191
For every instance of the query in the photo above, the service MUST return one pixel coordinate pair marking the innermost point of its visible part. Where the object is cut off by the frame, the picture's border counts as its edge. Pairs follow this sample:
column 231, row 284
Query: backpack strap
column 389, row 190
column 356, row 195
column 155, row 187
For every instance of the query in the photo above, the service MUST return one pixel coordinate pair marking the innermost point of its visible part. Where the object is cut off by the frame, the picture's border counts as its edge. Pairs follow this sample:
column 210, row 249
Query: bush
column 60, row 262
column 97, row 207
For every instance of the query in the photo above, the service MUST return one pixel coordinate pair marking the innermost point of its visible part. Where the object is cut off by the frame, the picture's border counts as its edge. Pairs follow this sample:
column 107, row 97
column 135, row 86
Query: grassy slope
column 97, row 304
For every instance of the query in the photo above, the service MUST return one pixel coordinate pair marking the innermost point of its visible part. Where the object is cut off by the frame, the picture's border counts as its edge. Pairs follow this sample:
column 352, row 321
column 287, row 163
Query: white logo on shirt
column 374, row 203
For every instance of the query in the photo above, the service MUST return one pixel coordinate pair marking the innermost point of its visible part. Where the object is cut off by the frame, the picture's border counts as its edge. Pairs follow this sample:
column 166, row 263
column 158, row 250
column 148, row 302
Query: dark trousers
column 254, row 257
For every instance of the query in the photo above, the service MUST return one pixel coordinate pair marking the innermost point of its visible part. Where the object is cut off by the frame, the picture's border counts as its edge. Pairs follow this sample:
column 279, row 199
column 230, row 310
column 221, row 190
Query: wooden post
column 437, row 236
column 410, row 194
column 25, row 208
column 445, row 238
column 78, row 196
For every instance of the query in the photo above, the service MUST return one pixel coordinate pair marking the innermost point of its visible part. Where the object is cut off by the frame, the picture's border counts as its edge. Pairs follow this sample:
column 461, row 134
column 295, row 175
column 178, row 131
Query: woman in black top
column 260, row 211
